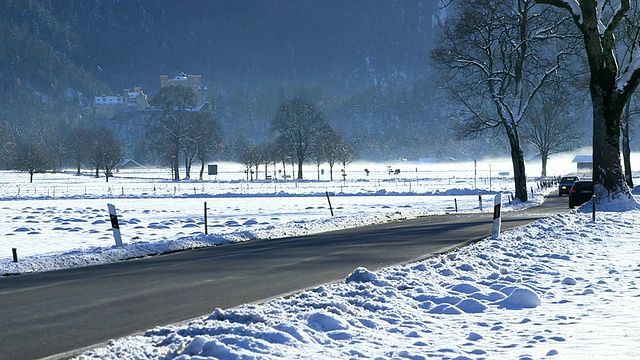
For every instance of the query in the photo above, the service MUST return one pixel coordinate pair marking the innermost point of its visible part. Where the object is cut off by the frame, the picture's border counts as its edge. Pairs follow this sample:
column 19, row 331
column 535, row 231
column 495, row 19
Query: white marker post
column 497, row 204
column 114, row 224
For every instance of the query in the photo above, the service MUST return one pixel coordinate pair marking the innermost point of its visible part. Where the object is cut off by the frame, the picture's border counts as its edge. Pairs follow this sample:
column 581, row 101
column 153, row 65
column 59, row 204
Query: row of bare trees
column 302, row 134
column 502, row 59
column 96, row 146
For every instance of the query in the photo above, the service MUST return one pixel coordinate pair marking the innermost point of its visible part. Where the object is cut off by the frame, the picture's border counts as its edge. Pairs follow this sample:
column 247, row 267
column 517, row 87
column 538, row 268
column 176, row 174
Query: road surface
column 53, row 314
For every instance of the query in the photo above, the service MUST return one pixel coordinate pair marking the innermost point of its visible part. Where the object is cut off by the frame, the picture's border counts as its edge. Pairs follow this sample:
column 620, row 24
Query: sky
column 545, row 290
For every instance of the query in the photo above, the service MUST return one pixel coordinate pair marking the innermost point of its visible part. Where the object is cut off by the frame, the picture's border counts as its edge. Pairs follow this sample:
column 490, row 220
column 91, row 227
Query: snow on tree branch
column 572, row 5
column 630, row 77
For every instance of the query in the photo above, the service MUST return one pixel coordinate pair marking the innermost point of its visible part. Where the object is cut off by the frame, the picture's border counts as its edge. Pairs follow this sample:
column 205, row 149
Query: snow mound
column 361, row 275
column 323, row 321
column 520, row 299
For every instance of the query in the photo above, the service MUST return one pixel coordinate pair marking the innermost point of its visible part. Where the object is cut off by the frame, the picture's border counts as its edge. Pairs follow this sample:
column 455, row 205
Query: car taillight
column 574, row 190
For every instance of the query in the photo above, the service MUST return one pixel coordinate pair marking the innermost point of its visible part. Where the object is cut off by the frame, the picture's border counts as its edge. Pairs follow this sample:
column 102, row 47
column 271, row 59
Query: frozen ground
column 562, row 287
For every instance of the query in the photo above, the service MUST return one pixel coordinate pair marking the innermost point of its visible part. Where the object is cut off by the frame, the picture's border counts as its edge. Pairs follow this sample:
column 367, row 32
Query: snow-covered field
column 62, row 220
column 562, row 287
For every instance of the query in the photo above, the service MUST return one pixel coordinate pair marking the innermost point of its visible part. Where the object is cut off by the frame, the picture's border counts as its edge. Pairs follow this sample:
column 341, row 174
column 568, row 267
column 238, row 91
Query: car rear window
column 583, row 185
column 569, row 179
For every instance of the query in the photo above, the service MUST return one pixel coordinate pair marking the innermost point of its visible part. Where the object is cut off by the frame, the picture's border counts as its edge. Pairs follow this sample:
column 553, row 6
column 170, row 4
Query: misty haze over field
column 364, row 63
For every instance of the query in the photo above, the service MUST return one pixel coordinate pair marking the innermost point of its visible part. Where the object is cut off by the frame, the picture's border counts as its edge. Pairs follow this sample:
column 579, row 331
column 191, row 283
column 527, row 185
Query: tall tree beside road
column 491, row 54
column 615, row 75
column 301, row 126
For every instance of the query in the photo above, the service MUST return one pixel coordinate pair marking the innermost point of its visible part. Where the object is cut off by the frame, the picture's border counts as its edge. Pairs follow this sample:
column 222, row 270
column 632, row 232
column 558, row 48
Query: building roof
column 128, row 164
column 583, row 159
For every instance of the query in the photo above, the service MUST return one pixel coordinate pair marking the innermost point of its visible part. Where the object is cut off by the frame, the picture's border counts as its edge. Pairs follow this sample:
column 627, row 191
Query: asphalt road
column 56, row 313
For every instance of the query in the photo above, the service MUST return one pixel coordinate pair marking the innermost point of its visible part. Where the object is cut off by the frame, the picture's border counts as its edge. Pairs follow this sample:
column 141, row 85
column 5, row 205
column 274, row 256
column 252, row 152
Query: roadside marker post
column 497, row 205
column 114, row 224
column 15, row 254
column 329, row 200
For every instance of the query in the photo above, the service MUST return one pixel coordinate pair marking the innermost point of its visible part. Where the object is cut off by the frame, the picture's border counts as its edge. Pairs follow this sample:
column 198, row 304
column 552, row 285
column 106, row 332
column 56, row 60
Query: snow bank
column 546, row 289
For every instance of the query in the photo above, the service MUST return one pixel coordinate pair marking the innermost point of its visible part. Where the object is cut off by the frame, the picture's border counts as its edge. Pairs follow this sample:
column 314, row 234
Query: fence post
column 15, row 254
column 114, row 224
column 455, row 201
column 497, row 204
column 206, row 227
column 593, row 218
column 480, row 200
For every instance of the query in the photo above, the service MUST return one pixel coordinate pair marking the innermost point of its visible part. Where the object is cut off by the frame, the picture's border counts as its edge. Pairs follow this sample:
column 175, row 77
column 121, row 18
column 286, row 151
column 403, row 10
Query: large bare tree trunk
column 176, row 170
column 300, row 169
column 545, row 158
column 607, row 119
column 517, row 159
column 607, row 172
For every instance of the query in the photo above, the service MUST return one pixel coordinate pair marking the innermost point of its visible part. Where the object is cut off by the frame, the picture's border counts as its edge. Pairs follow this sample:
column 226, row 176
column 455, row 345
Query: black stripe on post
column 496, row 211
column 114, row 221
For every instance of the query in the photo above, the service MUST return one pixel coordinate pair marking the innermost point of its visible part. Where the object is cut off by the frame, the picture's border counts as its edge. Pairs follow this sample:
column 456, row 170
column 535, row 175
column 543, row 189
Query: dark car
column 580, row 193
column 565, row 184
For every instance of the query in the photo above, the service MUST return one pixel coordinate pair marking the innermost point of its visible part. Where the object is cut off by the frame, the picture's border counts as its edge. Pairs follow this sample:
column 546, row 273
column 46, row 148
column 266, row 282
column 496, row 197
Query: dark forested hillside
column 41, row 79
column 364, row 62
column 343, row 44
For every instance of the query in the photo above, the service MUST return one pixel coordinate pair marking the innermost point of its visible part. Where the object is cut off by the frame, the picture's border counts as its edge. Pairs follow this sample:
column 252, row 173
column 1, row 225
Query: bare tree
column 265, row 157
column 346, row 154
column 550, row 126
column 486, row 52
column 300, row 124
column 78, row 143
column 30, row 156
column 615, row 75
column 173, row 123
column 250, row 158
column 106, row 152
column 335, row 154
column 208, row 137
column 282, row 151
column 324, row 149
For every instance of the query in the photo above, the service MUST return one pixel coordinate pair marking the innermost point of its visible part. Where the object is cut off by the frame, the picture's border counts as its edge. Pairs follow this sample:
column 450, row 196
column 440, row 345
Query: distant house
column 107, row 106
column 128, row 164
column 584, row 163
